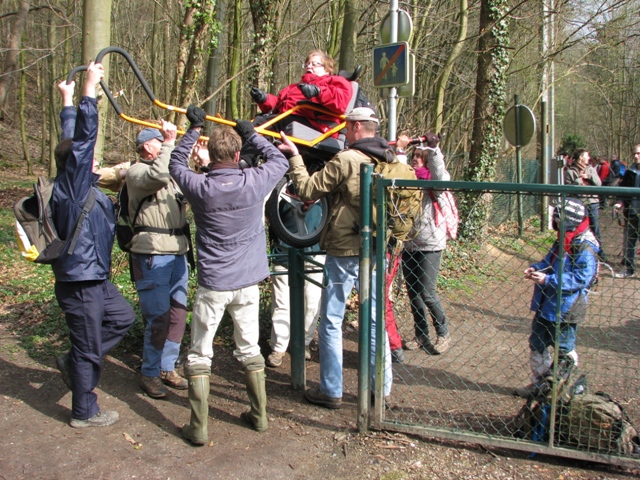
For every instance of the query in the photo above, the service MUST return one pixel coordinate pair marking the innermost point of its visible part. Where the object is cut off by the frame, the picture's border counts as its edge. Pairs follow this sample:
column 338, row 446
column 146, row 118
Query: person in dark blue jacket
column 96, row 313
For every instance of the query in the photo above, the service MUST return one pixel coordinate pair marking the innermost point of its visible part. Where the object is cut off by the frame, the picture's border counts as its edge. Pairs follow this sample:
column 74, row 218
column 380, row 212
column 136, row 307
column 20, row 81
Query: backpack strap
column 166, row 231
column 86, row 208
column 141, row 228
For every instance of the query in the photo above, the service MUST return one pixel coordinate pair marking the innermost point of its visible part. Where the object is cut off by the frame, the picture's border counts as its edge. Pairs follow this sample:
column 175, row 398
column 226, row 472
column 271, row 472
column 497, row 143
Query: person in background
column 582, row 173
column 96, row 313
column 603, row 170
column 280, row 311
column 393, row 265
column 227, row 204
column 630, row 207
column 579, row 251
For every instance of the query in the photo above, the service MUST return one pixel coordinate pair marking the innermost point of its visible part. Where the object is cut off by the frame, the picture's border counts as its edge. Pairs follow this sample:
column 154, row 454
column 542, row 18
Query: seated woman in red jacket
column 318, row 84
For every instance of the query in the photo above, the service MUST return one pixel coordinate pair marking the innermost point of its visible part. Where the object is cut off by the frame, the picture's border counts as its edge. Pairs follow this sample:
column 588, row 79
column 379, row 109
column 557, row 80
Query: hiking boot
column 275, row 359
column 626, row 274
column 410, row 345
column 422, row 342
column 397, row 356
column 314, row 395
column 307, row 353
column 153, row 386
column 442, row 344
column 103, row 418
column 63, row 364
column 174, row 380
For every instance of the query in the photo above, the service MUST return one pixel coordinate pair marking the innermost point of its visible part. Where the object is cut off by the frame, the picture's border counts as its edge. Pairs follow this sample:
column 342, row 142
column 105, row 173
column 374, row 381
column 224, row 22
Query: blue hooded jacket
column 579, row 270
column 91, row 259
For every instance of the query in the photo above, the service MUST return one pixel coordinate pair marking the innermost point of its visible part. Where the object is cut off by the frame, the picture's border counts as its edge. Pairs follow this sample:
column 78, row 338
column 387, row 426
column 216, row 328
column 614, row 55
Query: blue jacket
column 576, row 277
column 227, row 205
column 91, row 259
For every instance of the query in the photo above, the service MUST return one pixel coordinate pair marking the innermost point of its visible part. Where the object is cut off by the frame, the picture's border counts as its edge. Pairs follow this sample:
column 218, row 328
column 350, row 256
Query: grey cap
column 147, row 134
column 362, row 114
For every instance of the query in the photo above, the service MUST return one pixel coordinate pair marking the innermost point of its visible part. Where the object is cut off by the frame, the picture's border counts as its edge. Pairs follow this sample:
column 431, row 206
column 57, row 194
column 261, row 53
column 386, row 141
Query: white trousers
column 280, row 307
column 208, row 309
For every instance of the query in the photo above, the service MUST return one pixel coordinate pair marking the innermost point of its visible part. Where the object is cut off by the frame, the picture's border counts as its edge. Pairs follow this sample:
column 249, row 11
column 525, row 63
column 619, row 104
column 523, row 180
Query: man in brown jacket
column 340, row 180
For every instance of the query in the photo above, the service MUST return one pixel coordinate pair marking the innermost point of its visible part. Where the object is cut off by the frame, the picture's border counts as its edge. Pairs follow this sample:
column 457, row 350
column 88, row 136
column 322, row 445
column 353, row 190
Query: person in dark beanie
column 578, row 252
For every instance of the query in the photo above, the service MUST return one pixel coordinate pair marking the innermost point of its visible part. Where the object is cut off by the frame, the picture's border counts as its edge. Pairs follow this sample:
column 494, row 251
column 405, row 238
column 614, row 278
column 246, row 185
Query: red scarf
column 569, row 236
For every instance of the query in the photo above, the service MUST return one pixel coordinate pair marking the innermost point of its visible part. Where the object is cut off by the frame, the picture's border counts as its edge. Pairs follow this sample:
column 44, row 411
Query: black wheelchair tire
column 276, row 224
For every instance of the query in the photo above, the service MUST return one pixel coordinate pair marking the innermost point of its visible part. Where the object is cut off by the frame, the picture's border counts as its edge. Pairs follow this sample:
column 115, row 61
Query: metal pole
column 544, row 205
column 519, row 162
column 393, row 98
column 364, row 315
column 296, row 299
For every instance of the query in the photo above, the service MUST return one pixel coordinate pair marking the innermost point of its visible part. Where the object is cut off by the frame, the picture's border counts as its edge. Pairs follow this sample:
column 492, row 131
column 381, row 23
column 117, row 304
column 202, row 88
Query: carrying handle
column 261, row 129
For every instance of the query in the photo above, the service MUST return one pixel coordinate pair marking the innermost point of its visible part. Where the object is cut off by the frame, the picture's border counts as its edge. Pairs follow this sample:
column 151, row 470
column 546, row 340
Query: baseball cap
column 362, row 114
column 574, row 213
column 147, row 134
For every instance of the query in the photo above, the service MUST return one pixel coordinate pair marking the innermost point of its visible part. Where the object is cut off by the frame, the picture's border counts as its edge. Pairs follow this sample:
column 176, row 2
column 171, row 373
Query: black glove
column 244, row 128
column 432, row 140
column 196, row 116
column 309, row 90
column 258, row 95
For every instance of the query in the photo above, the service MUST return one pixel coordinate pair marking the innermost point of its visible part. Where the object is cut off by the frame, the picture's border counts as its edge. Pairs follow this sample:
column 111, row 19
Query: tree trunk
column 233, row 67
column 215, row 61
column 23, row 122
column 196, row 28
column 96, row 35
column 11, row 59
column 53, row 95
column 265, row 15
column 493, row 61
column 448, row 67
column 349, row 37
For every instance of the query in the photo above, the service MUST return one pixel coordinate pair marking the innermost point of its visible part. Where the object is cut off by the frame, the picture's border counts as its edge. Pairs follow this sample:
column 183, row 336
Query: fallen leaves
column 128, row 438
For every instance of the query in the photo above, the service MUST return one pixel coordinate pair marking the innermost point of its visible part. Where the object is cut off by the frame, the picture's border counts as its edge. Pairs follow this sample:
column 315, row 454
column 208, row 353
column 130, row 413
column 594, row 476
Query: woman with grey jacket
column 422, row 255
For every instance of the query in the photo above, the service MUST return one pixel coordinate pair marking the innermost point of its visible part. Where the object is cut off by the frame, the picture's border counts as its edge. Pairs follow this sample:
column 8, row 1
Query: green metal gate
column 466, row 394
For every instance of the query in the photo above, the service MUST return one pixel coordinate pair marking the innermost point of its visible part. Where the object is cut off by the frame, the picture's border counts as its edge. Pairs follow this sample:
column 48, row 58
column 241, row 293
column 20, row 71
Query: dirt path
column 302, row 441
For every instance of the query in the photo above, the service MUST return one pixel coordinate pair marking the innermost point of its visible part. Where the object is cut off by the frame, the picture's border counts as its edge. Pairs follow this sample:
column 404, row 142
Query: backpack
column 534, row 418
column 125, row 224
column 616, row 171
column 37, row 236
column 404, row 204
column 446, row 209
column 597, row 423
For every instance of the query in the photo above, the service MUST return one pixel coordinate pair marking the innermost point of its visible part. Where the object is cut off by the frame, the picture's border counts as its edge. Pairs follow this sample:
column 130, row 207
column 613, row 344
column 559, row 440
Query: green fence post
column 364, row 315
column 296, row 345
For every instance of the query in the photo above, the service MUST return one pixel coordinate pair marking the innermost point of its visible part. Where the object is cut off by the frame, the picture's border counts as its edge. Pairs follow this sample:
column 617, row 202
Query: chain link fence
column 465, row 390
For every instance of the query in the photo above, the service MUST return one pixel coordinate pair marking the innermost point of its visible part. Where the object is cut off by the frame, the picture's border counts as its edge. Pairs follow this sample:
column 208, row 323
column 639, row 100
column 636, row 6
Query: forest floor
column 303, row 441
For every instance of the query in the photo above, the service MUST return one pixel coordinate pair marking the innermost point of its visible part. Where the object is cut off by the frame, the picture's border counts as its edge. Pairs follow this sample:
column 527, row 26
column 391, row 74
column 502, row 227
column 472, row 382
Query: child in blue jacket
column 579, row 254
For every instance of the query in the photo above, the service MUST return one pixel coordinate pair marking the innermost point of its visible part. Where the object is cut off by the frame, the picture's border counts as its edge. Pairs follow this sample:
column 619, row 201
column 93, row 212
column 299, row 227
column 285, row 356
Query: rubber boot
column 197, row 432
column 255, row 380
